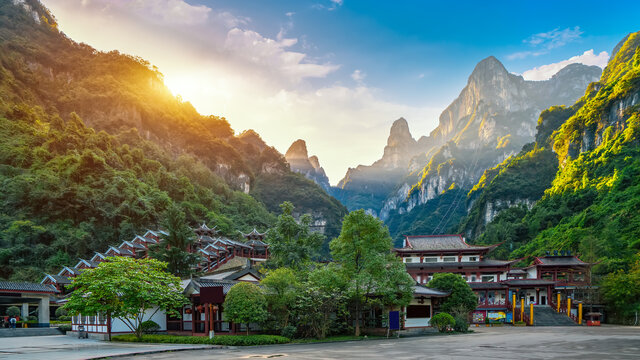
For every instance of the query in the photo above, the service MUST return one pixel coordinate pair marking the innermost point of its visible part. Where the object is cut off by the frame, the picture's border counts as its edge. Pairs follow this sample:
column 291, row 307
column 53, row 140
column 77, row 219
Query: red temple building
column 494, row 281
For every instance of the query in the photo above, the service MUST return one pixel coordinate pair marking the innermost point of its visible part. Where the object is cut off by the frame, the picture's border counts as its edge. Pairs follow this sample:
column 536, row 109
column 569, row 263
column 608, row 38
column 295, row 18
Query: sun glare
column 183, row 85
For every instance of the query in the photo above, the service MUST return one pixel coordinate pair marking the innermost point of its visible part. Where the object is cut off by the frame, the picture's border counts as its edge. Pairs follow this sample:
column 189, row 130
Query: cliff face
column 298, row 158
column 492, row 118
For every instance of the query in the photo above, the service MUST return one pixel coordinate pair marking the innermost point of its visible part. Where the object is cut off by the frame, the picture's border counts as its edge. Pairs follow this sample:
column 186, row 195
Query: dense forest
column 95, row 148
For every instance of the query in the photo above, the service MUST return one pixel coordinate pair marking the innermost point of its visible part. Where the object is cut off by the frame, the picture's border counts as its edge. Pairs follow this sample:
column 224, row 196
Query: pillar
column 568, row 306
column 531, row 314
column 513, row 303
column 559, row 300
column 24, row 314
column 522, row 309
column 580, row 313
column 43, row 311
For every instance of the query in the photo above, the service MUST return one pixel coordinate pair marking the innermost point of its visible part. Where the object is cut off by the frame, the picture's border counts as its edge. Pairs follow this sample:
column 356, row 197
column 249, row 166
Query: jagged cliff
column 300, row 162
column 492, row 118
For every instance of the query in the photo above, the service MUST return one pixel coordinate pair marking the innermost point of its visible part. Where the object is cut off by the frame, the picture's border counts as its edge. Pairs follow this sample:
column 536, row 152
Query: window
column 487, row 278
column 408, row 260
column 473, row 278
column 473, row 258
column 449, row 259
column 430, row 260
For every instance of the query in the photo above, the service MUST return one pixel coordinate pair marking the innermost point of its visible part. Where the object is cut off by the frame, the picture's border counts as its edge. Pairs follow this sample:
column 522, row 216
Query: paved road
column 606, row 342
column 69, row 348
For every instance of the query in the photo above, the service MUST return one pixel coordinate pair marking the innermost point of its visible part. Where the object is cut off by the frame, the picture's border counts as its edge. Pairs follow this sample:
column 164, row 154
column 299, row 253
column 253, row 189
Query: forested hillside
column 591, row 205
column 94, row 149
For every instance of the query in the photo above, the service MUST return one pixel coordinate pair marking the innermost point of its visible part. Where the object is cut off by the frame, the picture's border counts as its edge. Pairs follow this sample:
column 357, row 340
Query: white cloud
column 358, row 76
column 545, row 72
column 554, row 38
column 160, row 11
column 334, row 4
column 544, row 42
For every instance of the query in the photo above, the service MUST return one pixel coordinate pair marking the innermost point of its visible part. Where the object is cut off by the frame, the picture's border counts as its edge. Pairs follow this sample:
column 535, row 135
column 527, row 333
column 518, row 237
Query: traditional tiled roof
column 141, row 239
column 99, row 256
column 63, row 280
column 72, row 270
column 456, row 264
column 89, row 263
column 559, row 260
column 438, row 242
column 254, row 234
column 487, row 285
column 422, row 290
column 120, row 251
column 257, row 243
column 132, row 245
column 210, row 247
column 26, row 287
column 517, row 271
column 528, row 282
column 226, row 284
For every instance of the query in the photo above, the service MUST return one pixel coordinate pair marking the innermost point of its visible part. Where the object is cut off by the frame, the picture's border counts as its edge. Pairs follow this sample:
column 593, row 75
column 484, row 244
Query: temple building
column 494, row 281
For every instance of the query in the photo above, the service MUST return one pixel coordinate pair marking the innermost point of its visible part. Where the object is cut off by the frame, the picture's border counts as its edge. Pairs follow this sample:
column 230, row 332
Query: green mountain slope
column 94, row 148
column 590, row 205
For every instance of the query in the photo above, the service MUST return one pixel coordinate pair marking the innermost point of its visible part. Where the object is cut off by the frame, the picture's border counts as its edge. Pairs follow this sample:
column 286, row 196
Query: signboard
column 211, row 295
column 394, row 320
column 478, row 317
column 497, row 315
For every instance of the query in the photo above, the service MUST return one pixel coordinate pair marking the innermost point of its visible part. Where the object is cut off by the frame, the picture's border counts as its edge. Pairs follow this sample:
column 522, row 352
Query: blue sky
column 337, row 73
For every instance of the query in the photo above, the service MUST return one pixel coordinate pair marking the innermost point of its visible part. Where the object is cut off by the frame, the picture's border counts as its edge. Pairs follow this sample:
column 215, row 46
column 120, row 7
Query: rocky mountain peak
column 399, row 133
column 488, row 68
column 315, row 162
column 297, row 151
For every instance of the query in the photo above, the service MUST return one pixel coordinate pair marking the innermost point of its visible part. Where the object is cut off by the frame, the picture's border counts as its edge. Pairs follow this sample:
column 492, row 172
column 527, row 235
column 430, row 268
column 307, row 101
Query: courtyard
column 606, row 342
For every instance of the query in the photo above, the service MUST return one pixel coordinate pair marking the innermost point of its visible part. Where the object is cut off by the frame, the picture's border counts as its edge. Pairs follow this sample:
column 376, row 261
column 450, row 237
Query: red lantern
column 188, row 311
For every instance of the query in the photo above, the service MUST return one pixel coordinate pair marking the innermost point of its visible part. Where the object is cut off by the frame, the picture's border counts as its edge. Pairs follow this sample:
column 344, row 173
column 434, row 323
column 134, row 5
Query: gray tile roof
column 425, row 291
column 560, row 260
column 487, row 285
column 226, row 284
column 25, row 286
column 455, row 264
column 439, row 242
column 530, row 282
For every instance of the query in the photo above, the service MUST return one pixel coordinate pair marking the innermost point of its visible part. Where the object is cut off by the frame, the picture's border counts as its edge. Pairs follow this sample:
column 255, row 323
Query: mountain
column 577, row 187
column 300, row 162
column 95, row 148
column 366, row 187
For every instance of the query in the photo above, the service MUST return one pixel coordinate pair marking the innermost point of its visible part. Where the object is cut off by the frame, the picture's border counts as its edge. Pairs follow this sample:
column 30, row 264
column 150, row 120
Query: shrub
column 228, row 340
column 61, row 312
column 289, row 331
column 13, row 311
column 461, row 324
column 149, row 327
column 64, row 327
column 32, row 318
column 442, row 321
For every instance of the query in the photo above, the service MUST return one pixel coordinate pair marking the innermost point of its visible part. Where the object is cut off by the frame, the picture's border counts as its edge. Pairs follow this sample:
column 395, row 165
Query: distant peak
column 399, row 132
column 488, row 65
column 314, row 162
column 297, row 150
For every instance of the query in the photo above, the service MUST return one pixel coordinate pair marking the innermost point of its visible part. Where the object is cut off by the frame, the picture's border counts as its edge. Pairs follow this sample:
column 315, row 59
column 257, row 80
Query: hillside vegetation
column 95, row 148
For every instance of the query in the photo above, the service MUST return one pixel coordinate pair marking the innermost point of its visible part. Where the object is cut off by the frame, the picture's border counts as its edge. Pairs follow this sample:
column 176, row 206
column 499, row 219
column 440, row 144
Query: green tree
column 363, row 251
column 621, row 292
column 322, row 300
column 127, row 289
column 442, row 321
column 292, row 244
column 173, row 248
column 13, row 311
column 281, row 288
column 461, row 299
column 245, row 303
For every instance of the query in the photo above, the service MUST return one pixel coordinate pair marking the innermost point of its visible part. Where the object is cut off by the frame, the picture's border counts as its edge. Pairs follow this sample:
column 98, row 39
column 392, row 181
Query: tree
column 292, row 244
column 281, row 288
column 245, row 303
column 363, row 251
column 173, row 248
column 132, row 290
column 461, row 299
column 621, row 292
column 322, row 297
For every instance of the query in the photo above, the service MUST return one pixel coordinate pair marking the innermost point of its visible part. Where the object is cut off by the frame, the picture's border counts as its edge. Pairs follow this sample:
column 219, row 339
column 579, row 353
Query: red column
column 206, row 318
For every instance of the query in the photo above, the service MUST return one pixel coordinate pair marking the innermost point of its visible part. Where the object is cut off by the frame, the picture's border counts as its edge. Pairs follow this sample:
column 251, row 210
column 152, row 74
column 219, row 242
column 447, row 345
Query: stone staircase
column 546, row 316
column 29, row 332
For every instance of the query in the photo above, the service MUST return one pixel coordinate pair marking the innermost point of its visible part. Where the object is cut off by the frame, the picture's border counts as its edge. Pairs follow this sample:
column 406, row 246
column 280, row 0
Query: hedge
column 228, row 340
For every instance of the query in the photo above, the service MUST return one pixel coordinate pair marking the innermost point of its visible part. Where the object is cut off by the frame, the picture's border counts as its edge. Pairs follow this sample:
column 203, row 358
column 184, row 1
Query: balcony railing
column 494, row 302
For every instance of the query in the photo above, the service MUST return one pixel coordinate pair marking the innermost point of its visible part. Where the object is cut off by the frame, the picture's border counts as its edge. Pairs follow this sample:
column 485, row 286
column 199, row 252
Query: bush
column 32, row 318
column 13, row 311
column 461, row 324
column 61, row 312
column 64, row 327
column 289, row 331
column 228, row 340
column 149, row 327
column 442, row 321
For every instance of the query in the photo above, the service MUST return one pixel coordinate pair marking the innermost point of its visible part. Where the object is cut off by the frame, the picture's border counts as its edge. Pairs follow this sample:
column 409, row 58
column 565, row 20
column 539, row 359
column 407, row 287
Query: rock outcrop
column 298, row 158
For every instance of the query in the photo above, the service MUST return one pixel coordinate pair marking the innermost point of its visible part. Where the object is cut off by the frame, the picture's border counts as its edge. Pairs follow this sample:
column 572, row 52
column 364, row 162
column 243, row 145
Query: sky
column 337, row 73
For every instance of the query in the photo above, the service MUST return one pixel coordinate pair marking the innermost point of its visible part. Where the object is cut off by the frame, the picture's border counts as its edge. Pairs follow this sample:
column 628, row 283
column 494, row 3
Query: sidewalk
column 68, row 348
